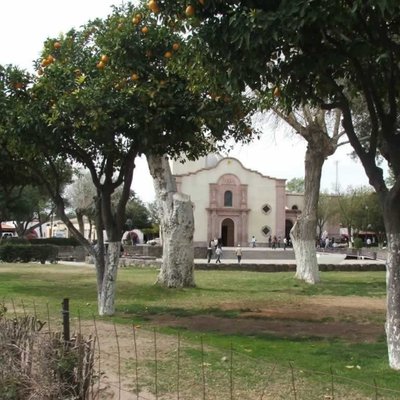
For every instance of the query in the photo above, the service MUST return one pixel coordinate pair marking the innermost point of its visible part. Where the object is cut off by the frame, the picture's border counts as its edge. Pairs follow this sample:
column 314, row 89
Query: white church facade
column 234, row 203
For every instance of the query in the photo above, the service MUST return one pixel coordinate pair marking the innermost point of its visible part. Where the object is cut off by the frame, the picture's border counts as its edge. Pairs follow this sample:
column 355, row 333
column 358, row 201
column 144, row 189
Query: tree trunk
column 320, row 146
column 350, row 236
column 304, row 231
column 106, row 294
column 81, row 224
column 391, row 214
column 177, row 225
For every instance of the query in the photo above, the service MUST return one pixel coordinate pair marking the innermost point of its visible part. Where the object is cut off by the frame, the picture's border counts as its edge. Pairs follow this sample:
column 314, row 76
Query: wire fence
column 143, row 364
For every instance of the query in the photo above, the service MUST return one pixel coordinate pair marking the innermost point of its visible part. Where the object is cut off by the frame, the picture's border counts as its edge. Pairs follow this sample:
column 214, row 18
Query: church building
column 234, row 203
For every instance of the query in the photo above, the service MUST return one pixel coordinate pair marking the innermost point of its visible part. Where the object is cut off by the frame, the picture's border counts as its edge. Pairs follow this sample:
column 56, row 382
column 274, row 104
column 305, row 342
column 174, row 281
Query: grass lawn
column 257, row 318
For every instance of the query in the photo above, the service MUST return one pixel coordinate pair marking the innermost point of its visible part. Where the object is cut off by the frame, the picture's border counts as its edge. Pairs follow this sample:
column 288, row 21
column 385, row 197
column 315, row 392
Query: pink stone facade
column 226, row 220
column 233, row 203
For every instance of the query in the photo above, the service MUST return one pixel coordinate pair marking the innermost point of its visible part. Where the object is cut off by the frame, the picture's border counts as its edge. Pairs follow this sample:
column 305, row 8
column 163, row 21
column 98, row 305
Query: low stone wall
column 288, row 267
column 156, row 251
column 138, row 262
column 370, row 253
column 254, row 267
column 143, row 250
column 72, row 253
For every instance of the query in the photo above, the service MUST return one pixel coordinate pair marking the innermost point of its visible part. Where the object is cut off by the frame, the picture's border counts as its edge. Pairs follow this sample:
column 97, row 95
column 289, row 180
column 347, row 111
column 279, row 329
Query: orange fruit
column 201, row 2
column 50, row 59
column 57, row 45
column 104, row 58
column 190, row 11
column 175, row 46
column 153, row 6
column 100, row 65
column 277, row 92
column 135, row 77
column 167, row 54
column 145, row 29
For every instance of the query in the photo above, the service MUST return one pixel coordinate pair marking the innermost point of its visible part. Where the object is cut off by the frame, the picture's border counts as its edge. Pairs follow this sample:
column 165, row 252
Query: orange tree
column 22, row 195
column 109, row 92
column 329, row 54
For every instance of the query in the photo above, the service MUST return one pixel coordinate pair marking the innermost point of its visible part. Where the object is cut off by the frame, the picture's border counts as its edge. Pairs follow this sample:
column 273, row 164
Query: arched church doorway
column 288, row 227
column 228, row 232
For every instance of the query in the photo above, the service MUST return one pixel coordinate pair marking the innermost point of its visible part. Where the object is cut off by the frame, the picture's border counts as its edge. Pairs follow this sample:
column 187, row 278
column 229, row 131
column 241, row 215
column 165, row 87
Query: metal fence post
column 65, row 314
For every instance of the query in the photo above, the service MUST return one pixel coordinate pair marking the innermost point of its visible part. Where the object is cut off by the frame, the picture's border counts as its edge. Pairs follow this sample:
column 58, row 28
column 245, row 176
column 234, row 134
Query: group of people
column 326, row 242
column 276, row 242
column 214, row 246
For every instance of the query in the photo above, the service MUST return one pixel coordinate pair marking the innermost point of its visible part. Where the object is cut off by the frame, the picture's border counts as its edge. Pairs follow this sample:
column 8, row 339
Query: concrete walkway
column 261, row 259
column 278, row 261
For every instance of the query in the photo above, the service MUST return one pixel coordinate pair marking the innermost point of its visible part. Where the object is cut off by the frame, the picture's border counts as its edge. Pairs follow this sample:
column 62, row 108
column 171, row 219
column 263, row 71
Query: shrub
column 37, row 366
column 56, row 241
column 358, row 243
column 53, row 240
column 26, row 253
column 14, row 240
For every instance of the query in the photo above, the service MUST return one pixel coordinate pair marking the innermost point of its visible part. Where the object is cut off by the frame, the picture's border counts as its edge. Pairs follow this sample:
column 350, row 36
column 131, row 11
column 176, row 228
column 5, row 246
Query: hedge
column 25, row 253
column 54, row 241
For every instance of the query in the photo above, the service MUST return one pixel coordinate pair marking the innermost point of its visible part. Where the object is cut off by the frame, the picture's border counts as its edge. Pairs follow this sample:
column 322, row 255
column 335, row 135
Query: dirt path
column 116, row 346
column 353, row 319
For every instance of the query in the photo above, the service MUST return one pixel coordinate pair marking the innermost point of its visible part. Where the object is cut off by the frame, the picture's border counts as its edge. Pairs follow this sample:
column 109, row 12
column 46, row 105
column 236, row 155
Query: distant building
column 233, row 203
column 57, row 228
column 8, row 230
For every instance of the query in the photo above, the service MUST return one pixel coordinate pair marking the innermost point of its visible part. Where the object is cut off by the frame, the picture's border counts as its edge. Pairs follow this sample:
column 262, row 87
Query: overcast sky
column 25, row 25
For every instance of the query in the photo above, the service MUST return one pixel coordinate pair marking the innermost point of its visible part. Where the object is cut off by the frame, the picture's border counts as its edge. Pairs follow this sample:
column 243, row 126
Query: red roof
column 7, row 228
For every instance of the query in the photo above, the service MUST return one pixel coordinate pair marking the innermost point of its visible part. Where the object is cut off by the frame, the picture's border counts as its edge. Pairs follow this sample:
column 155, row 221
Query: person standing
column 239, row 253
column 253, row 241
column 209, row 251
column 218, row 253
column 215, row 243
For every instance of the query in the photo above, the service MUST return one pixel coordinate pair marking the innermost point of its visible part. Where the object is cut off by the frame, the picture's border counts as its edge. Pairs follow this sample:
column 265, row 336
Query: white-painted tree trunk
column 304, row 231
column 320, row 146
column 177, row 268
column 106, row 294
column 393, row 298
column 307, row 268
column 177, row 224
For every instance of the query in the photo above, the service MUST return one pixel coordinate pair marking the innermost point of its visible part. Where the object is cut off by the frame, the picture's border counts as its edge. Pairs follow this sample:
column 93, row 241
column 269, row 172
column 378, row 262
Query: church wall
column 261, row 193
column 197, row 187
column 295, row 199
column 250, row 219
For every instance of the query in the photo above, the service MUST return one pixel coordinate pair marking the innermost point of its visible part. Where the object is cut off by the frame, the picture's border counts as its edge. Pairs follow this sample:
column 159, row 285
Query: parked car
column 7, row 235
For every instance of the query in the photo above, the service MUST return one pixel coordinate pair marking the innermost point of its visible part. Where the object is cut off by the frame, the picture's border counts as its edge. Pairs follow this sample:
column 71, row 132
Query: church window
column 266, row 230
column 294, row 207
column 266, row 208
column 228, row 198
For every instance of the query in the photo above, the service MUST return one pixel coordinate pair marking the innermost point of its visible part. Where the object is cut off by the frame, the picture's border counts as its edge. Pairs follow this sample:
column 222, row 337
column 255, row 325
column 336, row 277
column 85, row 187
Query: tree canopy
column 326, row 53
column 106, row 93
